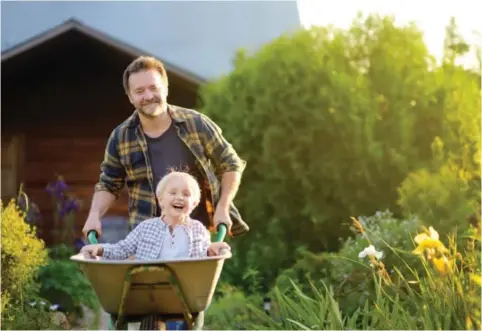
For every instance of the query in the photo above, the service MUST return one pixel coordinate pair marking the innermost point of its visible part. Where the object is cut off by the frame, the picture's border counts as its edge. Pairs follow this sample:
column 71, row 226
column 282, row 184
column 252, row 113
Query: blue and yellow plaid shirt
column 126, row 162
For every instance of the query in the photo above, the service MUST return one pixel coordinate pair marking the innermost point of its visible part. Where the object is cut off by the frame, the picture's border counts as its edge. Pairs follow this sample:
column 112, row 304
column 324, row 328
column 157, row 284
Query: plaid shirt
column 126, row 161
column 145, row 241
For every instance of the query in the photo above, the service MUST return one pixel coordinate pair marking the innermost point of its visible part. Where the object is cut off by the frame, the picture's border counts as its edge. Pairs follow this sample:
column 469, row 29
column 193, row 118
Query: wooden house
column 62, row 88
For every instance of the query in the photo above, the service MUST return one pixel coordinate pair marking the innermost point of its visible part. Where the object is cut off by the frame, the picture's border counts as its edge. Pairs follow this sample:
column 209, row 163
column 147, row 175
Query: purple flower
column 68, row 205
column 60, row 187
column 57, row 188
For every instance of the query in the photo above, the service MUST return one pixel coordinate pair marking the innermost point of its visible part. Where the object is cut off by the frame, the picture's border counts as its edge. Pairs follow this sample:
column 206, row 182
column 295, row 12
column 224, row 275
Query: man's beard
column 154, row 101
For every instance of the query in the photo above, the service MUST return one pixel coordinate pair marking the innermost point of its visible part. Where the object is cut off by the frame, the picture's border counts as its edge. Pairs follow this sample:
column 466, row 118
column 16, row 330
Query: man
column 158, row 137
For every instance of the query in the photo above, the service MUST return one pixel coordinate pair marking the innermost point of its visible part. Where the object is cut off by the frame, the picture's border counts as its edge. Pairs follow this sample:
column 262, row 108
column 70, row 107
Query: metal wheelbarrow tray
column 132, row 289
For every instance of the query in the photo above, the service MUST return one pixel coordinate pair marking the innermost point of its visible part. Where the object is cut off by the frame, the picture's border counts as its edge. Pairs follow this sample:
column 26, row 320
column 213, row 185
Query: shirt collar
column 165, row 225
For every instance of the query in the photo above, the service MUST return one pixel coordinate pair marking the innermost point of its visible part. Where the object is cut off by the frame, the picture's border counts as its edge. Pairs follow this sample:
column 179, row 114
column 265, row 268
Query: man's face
column 147, row 92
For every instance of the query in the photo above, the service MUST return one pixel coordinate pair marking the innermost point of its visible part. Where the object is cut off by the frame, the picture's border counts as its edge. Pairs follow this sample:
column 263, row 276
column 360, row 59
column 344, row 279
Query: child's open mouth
column 178, row 206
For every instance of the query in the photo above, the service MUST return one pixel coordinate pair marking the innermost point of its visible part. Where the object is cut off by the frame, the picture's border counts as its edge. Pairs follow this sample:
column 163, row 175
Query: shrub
column 351, row 280
column 444, row 296
column 446, row 199
column 331, row 122
column 23, row 254
column 63, row 282
column 230, row 310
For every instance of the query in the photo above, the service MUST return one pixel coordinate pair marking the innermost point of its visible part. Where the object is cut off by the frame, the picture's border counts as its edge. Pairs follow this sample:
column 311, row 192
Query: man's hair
column 192, row 182
column 143, row 63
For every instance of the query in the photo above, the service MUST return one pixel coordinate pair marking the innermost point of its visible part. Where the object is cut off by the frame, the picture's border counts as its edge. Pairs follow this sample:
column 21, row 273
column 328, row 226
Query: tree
column 331, row 122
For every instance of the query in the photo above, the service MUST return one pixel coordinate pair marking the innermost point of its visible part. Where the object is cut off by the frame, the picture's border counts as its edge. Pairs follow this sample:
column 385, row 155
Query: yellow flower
column 443, row 265
column 468, row 323
column 428, row 240
column 430, row 233
column 476, row 279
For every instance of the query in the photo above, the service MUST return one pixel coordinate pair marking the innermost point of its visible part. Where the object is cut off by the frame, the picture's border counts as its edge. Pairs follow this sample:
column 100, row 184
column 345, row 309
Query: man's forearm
column 229, row 187
column 101, row 202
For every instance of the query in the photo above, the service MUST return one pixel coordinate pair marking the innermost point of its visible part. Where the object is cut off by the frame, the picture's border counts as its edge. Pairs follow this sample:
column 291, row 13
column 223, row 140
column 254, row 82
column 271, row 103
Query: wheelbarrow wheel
column 153, row 322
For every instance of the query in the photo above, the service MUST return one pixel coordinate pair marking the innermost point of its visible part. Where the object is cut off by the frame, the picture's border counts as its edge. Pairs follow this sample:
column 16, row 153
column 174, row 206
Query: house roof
column 199, row 37
column 76, row 25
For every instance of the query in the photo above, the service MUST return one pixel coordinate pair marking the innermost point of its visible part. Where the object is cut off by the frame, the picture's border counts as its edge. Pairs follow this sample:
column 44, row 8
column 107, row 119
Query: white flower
column 370, row 251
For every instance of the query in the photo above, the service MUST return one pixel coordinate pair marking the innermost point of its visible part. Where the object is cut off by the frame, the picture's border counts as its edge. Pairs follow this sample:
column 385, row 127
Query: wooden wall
column 60, row 118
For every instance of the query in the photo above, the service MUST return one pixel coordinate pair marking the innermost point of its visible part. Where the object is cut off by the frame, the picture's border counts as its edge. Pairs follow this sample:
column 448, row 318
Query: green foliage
column 25, row 317
column 63, row 282
column 22, row 252
column 354, row 286
column 22, row 256
column 446, row 199
column 231, row 310
column 454, row 43
column 344, row 271
column 331, row 123
column 426, row 300
column 309, row 268
column 339, row 123
column 302, row 312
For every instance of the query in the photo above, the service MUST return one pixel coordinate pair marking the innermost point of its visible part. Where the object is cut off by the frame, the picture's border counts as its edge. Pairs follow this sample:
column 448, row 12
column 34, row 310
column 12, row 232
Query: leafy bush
column 22, row 252
column 63, row 282
column 444, row 296
column 230, row 310
column 447, row 199
column 331, row 122
column 26, row 316
column 22, row 256
column 351, row 280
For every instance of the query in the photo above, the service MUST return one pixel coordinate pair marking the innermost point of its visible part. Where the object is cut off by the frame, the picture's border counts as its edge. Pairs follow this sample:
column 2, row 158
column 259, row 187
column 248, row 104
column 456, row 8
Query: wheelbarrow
column 176, row 290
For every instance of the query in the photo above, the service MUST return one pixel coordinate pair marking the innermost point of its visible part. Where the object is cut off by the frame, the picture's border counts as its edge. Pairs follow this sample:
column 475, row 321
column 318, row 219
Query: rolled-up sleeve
column 112, row 176
column 220, row 151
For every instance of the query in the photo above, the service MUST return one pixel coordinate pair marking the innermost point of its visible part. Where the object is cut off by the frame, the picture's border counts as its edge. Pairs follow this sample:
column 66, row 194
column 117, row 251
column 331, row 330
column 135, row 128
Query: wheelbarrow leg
column 198, row 321
column 113, row 325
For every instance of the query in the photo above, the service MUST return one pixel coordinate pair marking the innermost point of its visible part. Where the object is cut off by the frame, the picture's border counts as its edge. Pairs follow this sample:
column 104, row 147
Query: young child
column 174, row 235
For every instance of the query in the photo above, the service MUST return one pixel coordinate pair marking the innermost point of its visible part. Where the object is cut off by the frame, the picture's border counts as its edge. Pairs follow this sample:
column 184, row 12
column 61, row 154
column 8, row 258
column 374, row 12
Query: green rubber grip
column 92, row 237
column 222, row 230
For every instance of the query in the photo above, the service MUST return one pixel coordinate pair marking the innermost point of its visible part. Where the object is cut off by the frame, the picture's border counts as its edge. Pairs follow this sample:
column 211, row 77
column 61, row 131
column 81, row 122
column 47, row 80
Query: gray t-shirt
column 168, row 152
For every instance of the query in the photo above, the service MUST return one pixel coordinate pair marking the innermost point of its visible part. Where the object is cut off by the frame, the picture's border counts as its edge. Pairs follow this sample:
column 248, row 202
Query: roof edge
column 74, row 24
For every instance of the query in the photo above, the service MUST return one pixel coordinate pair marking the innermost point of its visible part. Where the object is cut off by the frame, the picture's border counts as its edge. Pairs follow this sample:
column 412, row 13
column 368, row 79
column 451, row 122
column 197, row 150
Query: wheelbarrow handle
column 222, row 229
column 92, row 237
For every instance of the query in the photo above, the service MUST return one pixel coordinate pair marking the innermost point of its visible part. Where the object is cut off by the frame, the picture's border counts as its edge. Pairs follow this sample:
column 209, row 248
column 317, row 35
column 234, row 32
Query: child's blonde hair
column 191, row 181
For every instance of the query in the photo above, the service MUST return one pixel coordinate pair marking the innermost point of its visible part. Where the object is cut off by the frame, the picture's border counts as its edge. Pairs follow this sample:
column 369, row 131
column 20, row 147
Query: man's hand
column 92, row 223
column 91, row 251
column 215, row 248
column 222, row 216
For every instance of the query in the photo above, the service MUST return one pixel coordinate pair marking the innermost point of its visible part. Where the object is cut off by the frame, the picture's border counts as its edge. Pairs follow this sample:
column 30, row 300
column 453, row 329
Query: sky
column 431, row 17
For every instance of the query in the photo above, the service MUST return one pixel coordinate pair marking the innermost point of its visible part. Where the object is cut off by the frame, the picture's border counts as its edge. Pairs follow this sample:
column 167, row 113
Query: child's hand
column 91, row 251
column 215, row 248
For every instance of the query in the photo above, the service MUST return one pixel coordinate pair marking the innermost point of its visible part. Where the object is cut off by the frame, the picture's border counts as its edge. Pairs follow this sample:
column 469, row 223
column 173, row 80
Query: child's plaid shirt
column 145, row 241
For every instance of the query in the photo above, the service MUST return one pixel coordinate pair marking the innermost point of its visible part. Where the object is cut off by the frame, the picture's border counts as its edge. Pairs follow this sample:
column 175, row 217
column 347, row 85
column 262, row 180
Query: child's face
column 177, row 199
